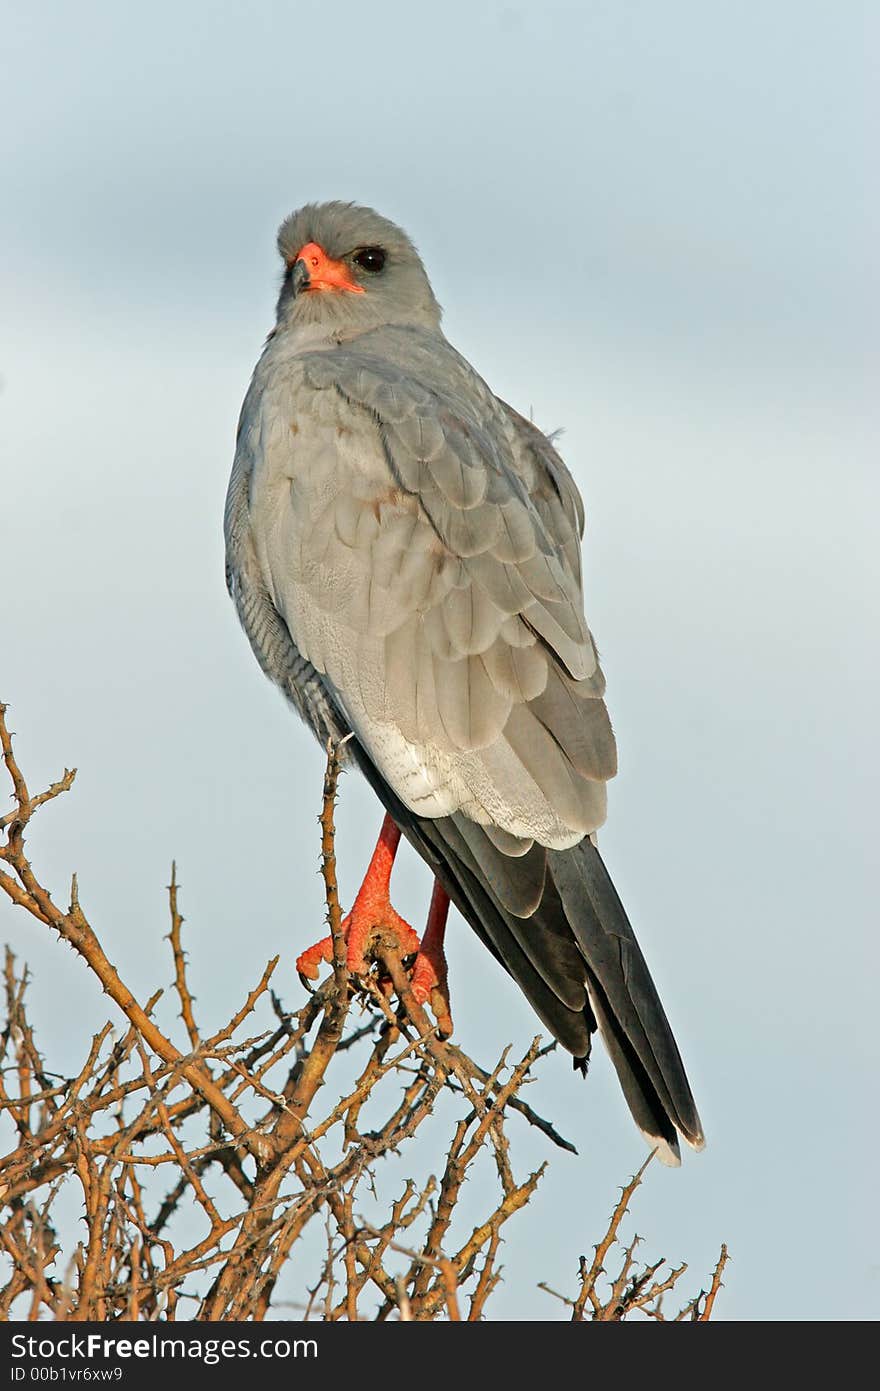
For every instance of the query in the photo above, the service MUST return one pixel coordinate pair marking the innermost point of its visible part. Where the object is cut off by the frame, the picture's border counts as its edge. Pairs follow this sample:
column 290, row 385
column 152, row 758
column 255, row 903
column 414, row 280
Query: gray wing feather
column 268, row 634
column 467, row 567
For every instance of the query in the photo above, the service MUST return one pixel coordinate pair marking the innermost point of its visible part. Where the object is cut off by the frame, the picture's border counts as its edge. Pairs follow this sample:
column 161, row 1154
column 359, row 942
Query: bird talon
column 309, row 961
column 429, row 985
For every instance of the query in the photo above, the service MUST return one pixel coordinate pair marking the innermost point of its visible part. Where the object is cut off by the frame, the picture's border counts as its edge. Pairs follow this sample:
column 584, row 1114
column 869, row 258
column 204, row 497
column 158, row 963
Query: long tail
column 554, row 920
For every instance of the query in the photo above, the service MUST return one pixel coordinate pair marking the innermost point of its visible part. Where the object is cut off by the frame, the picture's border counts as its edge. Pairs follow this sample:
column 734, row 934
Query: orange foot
column 429, row 975
column 372, row 915
column 361, row 928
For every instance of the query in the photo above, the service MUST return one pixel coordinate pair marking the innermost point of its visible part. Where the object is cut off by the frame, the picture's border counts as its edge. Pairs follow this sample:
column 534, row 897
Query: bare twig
column 243, row 1136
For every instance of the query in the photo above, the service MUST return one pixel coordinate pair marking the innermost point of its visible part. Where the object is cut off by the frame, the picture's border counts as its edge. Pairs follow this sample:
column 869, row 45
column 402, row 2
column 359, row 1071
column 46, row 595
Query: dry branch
column 605, row 1298
column 220, row 1176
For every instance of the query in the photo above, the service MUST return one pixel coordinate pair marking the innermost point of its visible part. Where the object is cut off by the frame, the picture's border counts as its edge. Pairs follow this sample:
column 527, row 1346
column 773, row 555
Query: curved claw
column 309, row 961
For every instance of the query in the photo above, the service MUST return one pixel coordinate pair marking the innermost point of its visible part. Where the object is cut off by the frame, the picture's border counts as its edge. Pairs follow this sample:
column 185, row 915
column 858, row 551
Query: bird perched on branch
column 403, row 550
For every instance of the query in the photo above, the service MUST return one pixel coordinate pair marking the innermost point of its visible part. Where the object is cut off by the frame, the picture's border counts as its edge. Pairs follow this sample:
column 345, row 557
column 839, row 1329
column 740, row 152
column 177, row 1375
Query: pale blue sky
column 652, row 225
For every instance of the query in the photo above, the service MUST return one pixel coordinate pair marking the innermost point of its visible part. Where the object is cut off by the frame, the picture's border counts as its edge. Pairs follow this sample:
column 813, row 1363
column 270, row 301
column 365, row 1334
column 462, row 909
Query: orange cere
column 325, row 273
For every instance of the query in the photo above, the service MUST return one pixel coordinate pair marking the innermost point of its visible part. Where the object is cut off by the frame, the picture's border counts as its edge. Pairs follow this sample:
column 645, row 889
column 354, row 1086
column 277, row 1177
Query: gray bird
column 403, row 550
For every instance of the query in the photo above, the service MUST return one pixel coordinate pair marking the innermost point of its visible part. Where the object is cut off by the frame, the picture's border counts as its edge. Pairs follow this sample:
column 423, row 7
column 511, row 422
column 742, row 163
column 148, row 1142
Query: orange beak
column 324, row 273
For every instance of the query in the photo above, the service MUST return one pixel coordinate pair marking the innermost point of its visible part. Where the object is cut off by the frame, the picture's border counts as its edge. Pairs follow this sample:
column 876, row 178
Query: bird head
column 348, row 268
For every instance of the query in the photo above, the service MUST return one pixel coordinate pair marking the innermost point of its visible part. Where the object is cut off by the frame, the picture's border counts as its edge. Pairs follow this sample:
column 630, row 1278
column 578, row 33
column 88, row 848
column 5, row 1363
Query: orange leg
column 372, row 913
column 429, row 976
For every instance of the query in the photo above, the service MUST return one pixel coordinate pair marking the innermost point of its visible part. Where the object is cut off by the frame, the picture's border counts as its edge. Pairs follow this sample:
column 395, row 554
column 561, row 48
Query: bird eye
column 370, row 258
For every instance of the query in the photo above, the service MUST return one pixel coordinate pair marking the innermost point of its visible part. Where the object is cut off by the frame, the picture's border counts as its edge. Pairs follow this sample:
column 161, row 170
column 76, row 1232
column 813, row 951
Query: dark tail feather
column 575, row 957
column 634, row 1028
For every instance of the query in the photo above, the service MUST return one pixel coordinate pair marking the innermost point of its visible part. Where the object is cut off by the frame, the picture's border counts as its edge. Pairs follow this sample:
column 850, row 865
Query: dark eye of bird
column 370, row 258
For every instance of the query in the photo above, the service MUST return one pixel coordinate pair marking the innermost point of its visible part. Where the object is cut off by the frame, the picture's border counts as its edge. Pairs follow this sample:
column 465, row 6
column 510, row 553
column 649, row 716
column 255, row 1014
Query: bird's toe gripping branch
column 429, row 976
column 362, row 929
column 372, row 916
